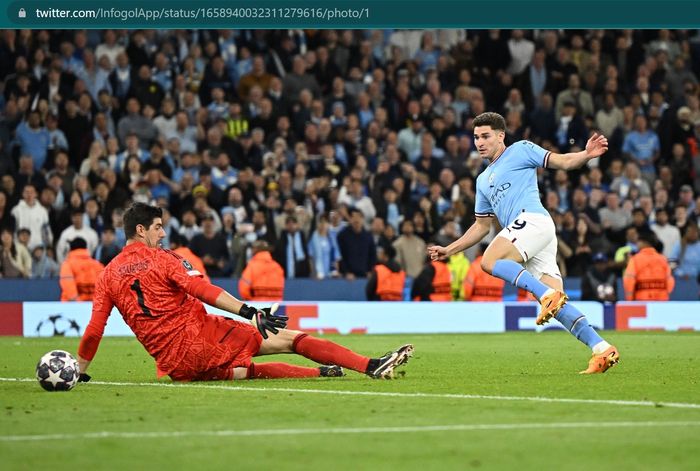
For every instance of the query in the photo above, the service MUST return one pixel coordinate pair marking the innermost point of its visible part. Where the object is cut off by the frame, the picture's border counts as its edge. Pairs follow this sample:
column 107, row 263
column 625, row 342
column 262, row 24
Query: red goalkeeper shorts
column 223, row 344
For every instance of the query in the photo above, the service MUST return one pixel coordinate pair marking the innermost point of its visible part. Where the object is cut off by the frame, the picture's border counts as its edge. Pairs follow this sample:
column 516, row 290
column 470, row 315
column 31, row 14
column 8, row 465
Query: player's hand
column 84, row 378
column 596, row 146
column 437, row 252
column 266, row 321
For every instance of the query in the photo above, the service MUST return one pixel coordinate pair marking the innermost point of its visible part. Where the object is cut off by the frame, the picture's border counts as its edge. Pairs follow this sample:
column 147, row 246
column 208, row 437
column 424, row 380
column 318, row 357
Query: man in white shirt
column 30, row 214
column 77, row 229
column 668, row 234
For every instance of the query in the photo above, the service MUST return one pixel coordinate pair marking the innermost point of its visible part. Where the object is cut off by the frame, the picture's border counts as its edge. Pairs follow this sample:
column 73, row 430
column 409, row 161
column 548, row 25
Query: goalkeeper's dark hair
column 489, row 118
column 139, row 213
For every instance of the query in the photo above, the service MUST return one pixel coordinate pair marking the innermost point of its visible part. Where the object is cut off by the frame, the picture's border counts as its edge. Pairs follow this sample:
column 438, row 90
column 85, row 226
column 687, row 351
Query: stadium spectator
column 210, row 246
column 79, row 272
column 357, row 250
column 355, row 197
column 33, row 139
column 410, row 249
column 15, row 261
column 599, row 283
column 108, row 247
column 7, row 220
column 580, row 99
column 648, row 275
column 685, row 255
column 30, row 214
column 135, row 123
column 323, row 250
column 75, row 230
column 291, row 250
column 386, row 280
column 43, row 266
column 571, row 134
column 136, row 300
column 642, row 145
column 668, row 234
column 263, row 278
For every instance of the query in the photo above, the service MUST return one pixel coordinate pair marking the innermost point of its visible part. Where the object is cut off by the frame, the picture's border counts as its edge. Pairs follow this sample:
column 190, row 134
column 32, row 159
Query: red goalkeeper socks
column 280, row 370
column 326, row 352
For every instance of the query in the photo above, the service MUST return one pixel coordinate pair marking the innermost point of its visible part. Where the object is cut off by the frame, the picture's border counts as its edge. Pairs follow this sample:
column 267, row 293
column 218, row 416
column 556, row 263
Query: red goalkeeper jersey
column 154, row 291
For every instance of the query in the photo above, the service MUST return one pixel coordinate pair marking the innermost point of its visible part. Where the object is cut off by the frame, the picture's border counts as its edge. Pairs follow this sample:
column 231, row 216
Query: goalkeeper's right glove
column 264, row 320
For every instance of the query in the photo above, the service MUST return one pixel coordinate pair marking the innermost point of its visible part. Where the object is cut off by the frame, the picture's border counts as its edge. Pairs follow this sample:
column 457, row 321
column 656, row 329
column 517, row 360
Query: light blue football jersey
column 508, row 186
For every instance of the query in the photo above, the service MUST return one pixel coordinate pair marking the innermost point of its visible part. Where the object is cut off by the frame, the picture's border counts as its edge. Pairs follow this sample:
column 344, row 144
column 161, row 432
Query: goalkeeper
column 160, row 296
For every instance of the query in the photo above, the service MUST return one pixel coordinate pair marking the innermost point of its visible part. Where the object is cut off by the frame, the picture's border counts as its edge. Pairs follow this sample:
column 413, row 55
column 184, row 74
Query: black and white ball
column 57, row 371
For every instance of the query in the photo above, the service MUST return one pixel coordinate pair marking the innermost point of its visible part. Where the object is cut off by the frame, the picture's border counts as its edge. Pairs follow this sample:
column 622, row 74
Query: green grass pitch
column 502, row 401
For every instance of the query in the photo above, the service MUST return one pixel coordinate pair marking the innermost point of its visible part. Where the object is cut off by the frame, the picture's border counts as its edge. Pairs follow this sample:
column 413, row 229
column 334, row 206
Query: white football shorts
column 535, row 237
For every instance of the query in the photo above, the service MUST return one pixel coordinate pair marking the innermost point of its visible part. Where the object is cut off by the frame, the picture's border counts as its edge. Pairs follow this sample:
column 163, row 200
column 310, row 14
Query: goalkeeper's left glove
column 84, row 378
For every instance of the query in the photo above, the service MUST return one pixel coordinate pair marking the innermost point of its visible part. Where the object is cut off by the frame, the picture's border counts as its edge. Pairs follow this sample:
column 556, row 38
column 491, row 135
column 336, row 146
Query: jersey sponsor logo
column 188, row 266
column 498, row 194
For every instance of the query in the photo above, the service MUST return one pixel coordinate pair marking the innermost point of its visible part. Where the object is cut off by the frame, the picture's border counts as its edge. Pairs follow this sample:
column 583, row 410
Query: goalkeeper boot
column 550, row 304
column 331, row 371
column 603, row 362
column 383, row 368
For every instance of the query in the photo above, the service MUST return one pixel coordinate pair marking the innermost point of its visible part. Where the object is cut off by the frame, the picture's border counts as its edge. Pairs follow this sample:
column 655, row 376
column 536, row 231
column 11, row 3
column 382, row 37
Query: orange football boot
column 551, row 304
column 603, row 362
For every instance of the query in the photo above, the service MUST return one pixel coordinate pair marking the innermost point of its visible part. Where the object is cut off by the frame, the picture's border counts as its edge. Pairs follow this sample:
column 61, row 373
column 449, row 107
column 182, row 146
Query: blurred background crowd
column 330, row 145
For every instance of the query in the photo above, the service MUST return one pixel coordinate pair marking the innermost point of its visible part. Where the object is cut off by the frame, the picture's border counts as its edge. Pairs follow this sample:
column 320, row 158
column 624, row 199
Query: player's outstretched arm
column 596, row 146
column 473, row 236
column 90, row 341
column 264, row 320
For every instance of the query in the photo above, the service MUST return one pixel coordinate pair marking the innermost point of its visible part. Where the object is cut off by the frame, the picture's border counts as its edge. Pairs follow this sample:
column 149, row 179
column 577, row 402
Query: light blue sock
column 515, row 274
column 576, row 323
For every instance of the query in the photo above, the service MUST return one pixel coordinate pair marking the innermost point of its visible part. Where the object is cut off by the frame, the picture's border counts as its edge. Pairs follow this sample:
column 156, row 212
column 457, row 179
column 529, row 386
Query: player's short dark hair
column 494, row 120
column 139, row 213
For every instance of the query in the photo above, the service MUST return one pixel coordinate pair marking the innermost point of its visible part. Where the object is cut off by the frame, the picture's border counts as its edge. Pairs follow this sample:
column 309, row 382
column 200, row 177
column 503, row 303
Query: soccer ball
column 57, row 371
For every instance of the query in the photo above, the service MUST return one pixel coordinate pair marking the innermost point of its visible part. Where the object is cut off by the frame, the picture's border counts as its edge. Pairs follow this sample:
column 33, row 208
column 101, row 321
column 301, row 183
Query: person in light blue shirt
column 686, row 253
column 642, row 144
column 323, row 250
column 507, row 190
column 33, row 139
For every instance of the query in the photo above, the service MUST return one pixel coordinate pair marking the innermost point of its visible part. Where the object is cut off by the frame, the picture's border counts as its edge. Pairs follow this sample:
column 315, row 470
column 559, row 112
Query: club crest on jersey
column 188, row 266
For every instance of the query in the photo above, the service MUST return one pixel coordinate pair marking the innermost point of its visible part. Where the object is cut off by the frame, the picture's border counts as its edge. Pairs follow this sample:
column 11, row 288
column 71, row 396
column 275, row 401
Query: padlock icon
column 22, row 13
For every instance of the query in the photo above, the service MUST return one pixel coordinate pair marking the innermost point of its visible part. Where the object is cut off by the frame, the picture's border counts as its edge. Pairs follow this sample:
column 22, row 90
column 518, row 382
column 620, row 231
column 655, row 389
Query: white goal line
column 341, row 430
column 616, row 402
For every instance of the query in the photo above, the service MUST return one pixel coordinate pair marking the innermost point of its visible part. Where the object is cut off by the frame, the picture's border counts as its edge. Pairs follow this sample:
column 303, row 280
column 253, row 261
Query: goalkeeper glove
column 84, row 378
column 265, row 319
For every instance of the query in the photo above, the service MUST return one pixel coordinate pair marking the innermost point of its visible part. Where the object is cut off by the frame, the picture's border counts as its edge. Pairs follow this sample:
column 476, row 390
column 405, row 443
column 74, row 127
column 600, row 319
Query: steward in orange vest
column 434, row 283
column 178, row 244
column 648, row 275
column 480, row 286
column 79, row 272
column 263, row 278
column 387, row 279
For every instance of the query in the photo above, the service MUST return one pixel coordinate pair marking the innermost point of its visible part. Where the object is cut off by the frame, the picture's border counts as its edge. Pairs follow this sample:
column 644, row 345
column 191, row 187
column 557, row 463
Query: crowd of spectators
column 327, row 144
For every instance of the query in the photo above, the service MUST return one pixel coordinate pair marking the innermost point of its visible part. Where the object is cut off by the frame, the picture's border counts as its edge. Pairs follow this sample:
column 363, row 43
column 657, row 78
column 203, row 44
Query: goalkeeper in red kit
column 160, row 296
